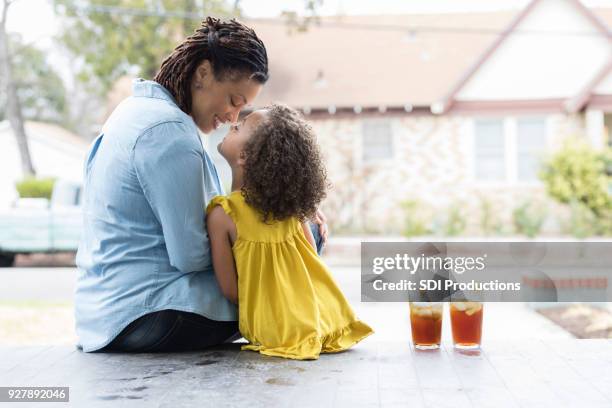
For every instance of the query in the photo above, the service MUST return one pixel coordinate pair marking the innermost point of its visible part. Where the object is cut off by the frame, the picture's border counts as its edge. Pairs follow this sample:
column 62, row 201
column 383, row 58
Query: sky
column 38, row 27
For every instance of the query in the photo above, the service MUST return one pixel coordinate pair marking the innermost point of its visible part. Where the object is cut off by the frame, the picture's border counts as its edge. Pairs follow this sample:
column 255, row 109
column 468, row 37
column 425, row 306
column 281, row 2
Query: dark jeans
column 173, row 330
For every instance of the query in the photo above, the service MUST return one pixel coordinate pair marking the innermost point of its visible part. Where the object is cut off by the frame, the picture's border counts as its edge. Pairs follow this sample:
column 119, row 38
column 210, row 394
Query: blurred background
column 445, row 119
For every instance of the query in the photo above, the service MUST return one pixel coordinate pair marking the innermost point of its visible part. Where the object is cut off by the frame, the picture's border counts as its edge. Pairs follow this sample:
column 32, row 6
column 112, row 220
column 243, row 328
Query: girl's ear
column 241, row 158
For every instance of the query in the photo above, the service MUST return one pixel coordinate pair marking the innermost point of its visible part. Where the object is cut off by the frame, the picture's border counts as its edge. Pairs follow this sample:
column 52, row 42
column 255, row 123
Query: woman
column 145, row 279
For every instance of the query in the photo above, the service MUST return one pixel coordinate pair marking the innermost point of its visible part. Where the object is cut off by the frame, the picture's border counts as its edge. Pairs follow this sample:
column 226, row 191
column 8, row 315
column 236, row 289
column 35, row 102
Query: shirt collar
column 151, row 89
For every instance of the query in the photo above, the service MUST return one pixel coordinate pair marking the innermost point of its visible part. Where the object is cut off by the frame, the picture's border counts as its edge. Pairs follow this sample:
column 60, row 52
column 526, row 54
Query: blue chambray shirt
column 144, row 248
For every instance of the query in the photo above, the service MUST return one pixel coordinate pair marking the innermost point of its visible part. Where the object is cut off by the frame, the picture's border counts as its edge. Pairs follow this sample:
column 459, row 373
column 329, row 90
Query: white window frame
column 510, row 127
column 472, row 162
column 537, row 181
column 392, row 141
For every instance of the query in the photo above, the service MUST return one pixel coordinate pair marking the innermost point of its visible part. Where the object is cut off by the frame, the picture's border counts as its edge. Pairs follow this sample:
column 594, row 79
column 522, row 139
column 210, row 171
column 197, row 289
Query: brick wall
column 432, row 161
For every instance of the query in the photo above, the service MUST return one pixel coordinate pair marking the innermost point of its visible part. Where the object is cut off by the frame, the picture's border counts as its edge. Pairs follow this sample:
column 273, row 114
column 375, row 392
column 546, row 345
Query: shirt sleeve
column 169, row 165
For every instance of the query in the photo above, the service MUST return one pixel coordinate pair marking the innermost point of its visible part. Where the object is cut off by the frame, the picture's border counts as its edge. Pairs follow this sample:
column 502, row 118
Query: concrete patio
column 525, row 361
column 562, row 373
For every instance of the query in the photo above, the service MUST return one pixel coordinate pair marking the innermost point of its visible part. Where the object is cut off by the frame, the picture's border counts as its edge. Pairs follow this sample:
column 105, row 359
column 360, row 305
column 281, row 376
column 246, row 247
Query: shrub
column 528, row 219
column 35, row 187
column 414, row 216
column 580, row 174
column 489, row 221
column 453, row 222
column 582, row 222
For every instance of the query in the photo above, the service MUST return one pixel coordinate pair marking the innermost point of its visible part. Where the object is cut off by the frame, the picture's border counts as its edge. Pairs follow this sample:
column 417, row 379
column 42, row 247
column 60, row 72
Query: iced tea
column 426, row 324
column 466, row 324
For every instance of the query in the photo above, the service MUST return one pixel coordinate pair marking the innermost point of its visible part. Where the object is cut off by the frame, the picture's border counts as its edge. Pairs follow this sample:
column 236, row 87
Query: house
column 454, row 112
column 55, row 152
column 442, row 116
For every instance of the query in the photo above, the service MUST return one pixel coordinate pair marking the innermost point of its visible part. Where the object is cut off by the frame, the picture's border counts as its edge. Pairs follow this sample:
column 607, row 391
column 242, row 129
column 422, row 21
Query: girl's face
column 216, row 102
column 232, row 145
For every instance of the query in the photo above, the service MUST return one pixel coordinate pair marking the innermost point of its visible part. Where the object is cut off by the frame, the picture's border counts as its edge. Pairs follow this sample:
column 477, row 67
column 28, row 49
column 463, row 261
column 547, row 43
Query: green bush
column 35, row 188
column 579, row 174
column 582, row 222
column 489, row 221
column 528, row 219
column 452, row 223
column 414, row 224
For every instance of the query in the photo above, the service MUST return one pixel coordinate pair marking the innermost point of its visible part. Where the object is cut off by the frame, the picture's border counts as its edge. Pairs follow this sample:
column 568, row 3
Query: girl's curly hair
column 284, row 175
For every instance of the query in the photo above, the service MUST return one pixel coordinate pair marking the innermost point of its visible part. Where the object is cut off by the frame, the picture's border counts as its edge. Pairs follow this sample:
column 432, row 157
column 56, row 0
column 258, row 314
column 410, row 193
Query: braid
column 231, row 47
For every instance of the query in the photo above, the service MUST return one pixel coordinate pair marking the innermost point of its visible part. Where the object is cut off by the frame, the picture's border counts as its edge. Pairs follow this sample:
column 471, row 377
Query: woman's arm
column 219, row 225
column 163, row 154
column 308, row 235
column 321, row 221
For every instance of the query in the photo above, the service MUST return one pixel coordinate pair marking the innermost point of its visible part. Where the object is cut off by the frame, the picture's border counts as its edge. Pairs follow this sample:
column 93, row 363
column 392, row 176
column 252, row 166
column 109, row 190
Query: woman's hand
column 321, row 220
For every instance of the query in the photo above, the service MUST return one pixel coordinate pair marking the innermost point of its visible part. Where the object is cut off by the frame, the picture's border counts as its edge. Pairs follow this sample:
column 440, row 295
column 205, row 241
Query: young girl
column 262, row 247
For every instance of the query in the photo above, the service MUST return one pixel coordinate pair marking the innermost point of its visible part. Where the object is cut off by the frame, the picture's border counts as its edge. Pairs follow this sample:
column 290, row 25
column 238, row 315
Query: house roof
column 48, row 134
column 581, row 99
column 371, row 61
column 387, row 61
column 55, row 152
column 573, row 104
column 48, row 130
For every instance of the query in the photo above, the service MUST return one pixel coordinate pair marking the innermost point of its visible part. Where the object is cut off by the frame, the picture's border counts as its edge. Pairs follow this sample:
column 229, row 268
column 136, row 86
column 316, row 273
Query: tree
column 108, row 39
column 40, row 90
column 300, row 23
column 13, row 106
column 114, row 38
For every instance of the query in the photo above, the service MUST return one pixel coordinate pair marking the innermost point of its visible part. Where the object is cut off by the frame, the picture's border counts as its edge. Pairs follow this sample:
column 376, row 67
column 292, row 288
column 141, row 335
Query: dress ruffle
column 346, row 337
column 310, row 348
column 219, row 200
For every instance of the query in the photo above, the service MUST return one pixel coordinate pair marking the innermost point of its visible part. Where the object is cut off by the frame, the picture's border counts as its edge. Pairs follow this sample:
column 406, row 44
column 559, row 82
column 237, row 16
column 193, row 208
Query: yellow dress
column 288, row 303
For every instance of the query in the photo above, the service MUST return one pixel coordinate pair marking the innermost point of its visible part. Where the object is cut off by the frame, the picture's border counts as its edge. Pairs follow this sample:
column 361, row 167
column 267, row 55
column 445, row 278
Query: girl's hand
column 321, row 220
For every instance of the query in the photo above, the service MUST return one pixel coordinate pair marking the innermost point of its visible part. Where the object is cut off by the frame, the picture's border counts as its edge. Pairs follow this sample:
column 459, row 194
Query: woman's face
column 233, row 143
column 214, row 103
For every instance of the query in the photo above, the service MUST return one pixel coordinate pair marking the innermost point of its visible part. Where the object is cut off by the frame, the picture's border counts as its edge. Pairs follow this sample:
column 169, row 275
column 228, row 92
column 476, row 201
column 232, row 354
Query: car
column 40, row 225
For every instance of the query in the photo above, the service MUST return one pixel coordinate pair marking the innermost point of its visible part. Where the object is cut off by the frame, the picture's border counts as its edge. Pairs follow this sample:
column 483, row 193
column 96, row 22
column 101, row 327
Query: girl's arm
column 308, row 235
column 219, row 225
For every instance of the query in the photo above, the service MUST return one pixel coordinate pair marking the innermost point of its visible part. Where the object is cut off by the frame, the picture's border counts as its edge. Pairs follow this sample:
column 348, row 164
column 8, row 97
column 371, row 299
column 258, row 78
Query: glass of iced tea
column 466, row 324
column 426, row 324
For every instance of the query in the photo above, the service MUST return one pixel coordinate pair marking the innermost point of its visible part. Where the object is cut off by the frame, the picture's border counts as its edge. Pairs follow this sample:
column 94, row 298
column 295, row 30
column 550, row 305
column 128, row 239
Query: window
column 489, row 150
column 608, row 128
column 530, row 145
column 377, row 140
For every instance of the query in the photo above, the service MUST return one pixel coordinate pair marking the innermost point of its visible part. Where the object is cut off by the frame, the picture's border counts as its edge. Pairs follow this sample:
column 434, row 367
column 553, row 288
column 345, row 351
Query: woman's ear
column 203, row 74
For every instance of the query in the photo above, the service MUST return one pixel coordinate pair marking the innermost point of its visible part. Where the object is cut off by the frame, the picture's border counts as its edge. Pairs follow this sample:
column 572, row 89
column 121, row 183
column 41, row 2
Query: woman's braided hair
column 231, row 47
column 284, row 174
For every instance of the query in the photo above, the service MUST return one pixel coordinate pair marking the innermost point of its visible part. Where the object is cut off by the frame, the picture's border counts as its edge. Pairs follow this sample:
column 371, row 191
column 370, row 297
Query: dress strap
column 223, row 202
